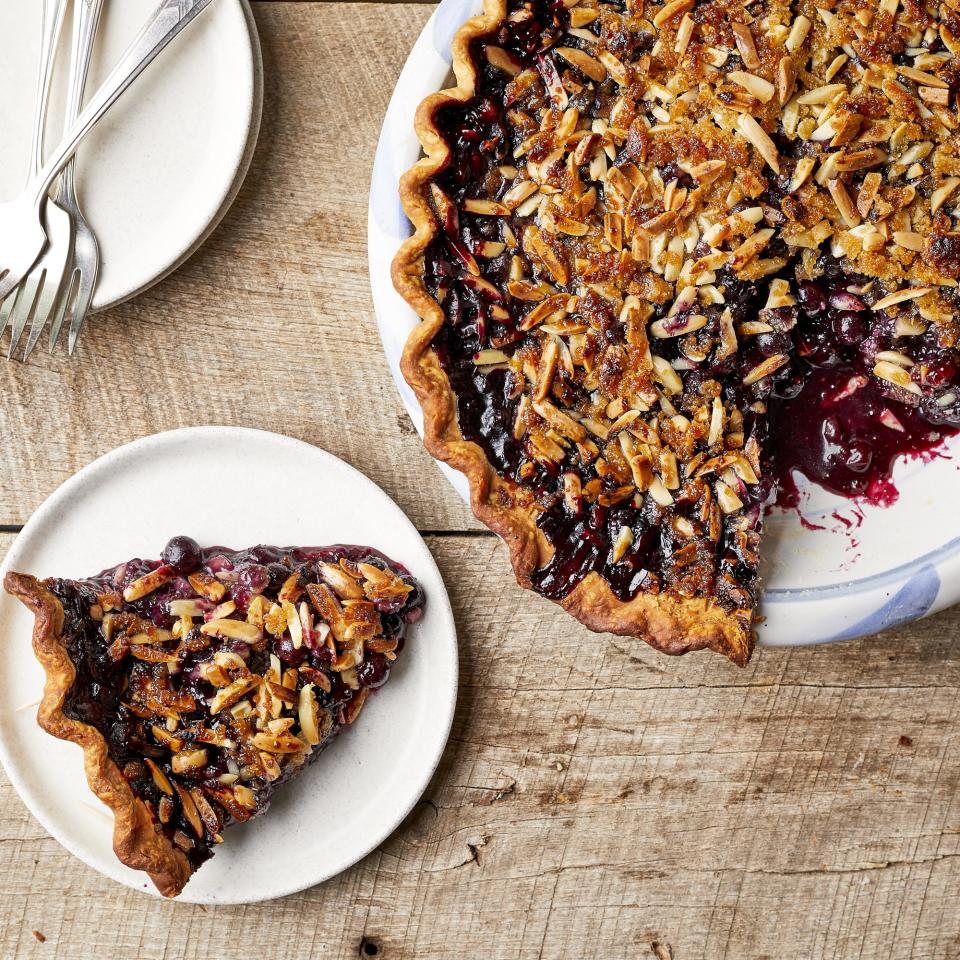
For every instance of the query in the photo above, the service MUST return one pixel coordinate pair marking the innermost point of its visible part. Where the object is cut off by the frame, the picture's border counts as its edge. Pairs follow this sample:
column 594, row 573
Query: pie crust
column 135, row 841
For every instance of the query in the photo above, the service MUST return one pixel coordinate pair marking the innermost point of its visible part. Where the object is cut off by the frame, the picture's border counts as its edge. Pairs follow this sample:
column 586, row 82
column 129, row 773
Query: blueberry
column 183, row 554
column 813, row 298
column 254, row 577
column 850, row 327
column 770, row 344
column 277, row 573
column 373, row 671
column 841, row 299
column 290, row 655
column 831, row 430
column 941, row 372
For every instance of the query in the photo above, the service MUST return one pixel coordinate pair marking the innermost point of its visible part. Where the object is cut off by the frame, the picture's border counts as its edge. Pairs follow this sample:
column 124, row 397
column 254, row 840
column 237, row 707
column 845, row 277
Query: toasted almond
column 499, row 58
column 922, row 77
column 234, row 629
column 728, row 500
column 187, row 760
column 765, row 368
column 754, row 133
column 187, row 608
column 748, row 49
column 670, row 10
column 822, row 94
column 895, row 356
column 900, row 296
column 581, row 16
column 909, row 240
column 943, row 193
column 159, row 777
column 547, row 369
column 896, row 375
column 844, row 202
column 684, row 35
column 798, row 34
column 622, row 543
column 229, row 695
column 207, row 586
column 487, row 208
column 614, row 67
column 786, row 79
column 145, row 585
column 560, row 421
column 935, row 95
column 678, row 327
column 756, row 86
column 586, row 64
column 660, row 493
column 307, row 714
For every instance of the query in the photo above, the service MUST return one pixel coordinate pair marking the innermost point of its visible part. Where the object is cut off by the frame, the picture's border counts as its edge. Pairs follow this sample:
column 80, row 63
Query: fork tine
column 70, row 289
column 44, row 310
column 26, row 298
column 6, row 308
column 86, row 286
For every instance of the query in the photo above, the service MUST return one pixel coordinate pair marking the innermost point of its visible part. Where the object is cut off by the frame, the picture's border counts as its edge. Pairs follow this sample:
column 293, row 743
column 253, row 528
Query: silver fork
column 37, row 294
column 22, row 236
column 82, row 272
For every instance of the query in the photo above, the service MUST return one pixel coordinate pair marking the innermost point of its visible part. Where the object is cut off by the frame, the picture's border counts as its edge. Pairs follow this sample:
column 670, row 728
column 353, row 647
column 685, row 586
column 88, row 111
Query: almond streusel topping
column 644, row 207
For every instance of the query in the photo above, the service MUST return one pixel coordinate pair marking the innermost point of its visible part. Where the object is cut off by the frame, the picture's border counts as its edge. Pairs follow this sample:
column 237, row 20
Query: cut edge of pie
column 135, row 840
column 669, row 623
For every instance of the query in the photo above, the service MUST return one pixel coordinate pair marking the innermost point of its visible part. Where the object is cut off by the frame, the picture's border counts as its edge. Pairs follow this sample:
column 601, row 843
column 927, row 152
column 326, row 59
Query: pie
column 199, row 683
column 665, row 254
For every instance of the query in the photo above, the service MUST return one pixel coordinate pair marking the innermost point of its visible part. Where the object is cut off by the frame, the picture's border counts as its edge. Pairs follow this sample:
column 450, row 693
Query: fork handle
column 169, row 19
column 86, row 20
column 51, row 23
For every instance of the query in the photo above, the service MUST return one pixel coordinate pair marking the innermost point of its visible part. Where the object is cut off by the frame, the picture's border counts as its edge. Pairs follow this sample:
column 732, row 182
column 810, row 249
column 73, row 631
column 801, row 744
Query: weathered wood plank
column 271, row 324
column 597, row 797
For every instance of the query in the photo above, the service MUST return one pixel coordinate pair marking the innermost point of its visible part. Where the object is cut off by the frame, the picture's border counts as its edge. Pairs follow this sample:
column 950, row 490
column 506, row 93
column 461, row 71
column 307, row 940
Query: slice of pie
column 667, row 253
column 199, row 683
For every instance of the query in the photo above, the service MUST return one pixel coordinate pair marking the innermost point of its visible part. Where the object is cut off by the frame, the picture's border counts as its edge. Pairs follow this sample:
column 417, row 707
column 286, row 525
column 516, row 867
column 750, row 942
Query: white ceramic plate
column 160, row 171
column 235, row 487
column 865, row 568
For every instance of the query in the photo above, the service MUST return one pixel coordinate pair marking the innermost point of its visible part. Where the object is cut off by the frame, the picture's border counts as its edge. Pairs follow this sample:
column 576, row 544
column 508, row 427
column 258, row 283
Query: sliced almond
column 746, row 46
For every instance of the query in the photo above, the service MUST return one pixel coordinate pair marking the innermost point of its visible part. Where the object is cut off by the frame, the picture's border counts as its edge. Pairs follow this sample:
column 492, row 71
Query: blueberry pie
column 666, row 254
column 199, row 683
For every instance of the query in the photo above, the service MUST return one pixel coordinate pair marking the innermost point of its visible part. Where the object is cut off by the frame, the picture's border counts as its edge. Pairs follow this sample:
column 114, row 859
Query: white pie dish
column 160, row 171
column 373, row 773
column 840, row 570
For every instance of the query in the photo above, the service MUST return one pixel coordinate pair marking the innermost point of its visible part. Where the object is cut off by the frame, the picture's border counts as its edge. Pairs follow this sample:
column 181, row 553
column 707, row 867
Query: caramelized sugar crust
column 199, row 683
column 638, row 225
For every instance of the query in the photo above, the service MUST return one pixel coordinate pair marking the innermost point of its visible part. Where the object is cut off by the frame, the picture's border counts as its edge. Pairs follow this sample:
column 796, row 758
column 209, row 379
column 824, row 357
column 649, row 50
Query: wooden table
column 597, row 800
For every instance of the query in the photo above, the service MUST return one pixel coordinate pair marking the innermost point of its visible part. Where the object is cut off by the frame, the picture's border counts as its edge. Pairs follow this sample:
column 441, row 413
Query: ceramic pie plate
column 233, row 487
column 834, row 570
column 159, row 172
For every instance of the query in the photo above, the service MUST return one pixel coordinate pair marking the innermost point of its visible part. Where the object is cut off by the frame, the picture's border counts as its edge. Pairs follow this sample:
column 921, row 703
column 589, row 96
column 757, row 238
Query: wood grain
column 597, row 800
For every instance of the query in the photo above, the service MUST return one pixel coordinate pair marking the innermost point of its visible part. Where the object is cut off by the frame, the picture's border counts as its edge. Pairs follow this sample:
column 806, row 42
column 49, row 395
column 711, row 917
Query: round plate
column 158, row 173
column 235, row 487
column 837, row 569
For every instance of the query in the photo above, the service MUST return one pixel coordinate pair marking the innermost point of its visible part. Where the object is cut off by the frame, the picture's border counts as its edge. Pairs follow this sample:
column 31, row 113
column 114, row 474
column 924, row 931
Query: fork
column 22, row 236
column 38, row 292
column 83, row 270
